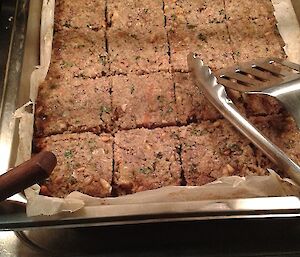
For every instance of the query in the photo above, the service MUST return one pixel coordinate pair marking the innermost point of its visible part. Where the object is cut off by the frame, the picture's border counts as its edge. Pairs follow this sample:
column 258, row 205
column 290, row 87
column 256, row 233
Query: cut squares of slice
column 192, row 105
column 283, row 132
column 213, row 150
column 78, row 53
column 84, row 163
column 146, row 159
column 198, row 26
column 74, row 105
column 143, row 101
column 254, row 39
column 252, row 10
column 88, row 14
column 137, row 40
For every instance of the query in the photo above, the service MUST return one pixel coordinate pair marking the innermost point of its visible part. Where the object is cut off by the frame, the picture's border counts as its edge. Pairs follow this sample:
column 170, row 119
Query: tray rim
column 68, row 221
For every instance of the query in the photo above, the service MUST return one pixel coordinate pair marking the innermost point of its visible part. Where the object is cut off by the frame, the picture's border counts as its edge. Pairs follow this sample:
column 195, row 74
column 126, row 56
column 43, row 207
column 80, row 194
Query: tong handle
column 38, row 168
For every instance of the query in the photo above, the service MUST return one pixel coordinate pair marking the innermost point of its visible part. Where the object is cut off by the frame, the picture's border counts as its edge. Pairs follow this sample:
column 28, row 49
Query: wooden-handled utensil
column 38, row 168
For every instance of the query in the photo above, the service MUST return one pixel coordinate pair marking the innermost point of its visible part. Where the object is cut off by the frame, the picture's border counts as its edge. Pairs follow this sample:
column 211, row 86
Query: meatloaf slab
column 84, row 163
column 146, row 159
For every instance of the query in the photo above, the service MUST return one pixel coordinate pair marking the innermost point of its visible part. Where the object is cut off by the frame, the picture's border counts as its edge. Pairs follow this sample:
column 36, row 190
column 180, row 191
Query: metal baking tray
column 22, row 58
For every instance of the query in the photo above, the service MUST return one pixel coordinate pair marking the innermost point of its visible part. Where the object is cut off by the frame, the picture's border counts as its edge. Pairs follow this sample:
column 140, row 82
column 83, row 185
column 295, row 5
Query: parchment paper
column 224, row 188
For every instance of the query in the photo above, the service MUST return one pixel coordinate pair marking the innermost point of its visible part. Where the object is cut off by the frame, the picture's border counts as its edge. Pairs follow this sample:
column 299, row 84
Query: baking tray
column 23, row 57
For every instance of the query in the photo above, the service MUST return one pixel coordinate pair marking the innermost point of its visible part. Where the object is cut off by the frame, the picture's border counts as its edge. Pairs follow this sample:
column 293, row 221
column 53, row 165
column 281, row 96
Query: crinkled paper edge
column 224, row 188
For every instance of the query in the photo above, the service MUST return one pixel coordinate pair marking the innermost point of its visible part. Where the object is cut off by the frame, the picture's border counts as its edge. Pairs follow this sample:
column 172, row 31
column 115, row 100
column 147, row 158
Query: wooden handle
column 28, row 173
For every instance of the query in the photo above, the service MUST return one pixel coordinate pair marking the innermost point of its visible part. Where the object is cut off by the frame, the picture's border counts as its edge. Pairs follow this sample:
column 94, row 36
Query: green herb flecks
column 170, row 110
column 191, row 26
column 289, row 144
column 237, row 53
column 80, row 46
column 67, row 24
column 193, row 168
column 103, row 59
column 159, row 155
column 231, row 149
column 68, row 154
column 198, row 132
column 202, row 37
column 222, row 12
column 66, row 64
column 104, row 109
column 132, row 89
column 134, row 36
column 145, row 170
column 160, row 98
column 53, row 86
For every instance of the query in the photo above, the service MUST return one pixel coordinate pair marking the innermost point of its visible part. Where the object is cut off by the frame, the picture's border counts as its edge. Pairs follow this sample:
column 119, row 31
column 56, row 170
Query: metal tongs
column 272, row 76
column 216, row 94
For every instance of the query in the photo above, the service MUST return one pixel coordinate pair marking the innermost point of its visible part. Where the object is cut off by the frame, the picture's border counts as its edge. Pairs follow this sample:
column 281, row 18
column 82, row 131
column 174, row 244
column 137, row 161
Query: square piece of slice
column 192, row 106
column 146, row 159
column 79, row 53
column 73, row 105
column 198, row 26
column 213, row 150
column 137, row 39
column 88, row 14
column 84, row 163
column 254, row 9
column 282, row 131
column 143, row 101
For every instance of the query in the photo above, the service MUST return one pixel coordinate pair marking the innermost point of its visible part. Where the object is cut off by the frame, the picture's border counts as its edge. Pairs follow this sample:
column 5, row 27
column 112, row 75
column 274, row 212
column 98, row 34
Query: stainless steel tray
column 24, row 55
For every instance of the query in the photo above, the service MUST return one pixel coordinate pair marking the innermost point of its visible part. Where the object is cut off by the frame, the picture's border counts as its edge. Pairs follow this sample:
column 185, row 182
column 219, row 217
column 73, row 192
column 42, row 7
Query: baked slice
column 73, row 105
column 137, row 40
column 192, row 106
column 84, row 163
column 146, row 159
column 79, row 53
column 198, row 26
column 252, row 10
column 143, row 100
column 282, row 131
column 88, row 14
column 254, row 34
column 213, row 150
